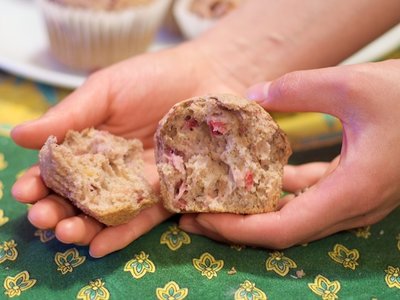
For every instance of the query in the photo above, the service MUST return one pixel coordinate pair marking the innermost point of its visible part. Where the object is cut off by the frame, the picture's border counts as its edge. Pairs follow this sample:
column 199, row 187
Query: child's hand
column 127, row 99
column 50, row 211
column 357, row 189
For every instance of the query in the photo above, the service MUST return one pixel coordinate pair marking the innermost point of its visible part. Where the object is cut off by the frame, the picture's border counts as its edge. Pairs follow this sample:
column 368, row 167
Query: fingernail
column 94, row 255
column 258, row 92
column 15, row 191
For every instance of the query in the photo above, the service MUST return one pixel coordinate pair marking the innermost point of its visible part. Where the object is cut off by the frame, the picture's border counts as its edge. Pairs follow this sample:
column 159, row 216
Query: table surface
column 167, row 263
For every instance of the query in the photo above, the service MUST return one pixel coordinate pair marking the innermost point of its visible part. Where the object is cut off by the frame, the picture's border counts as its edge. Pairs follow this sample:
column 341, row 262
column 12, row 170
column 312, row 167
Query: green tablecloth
column 167, row 263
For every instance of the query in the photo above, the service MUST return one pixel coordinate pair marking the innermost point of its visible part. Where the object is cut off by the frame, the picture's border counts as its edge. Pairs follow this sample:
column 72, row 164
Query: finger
column 285, row 200
column 296, row 178
column 46, row 213
column 86, row 107
column 189, row 224
column 79, row 230
column 106, row 242
column 320, row 90
column 214, row 226
column 30, row 187
column 305, row 216
column 356, row 222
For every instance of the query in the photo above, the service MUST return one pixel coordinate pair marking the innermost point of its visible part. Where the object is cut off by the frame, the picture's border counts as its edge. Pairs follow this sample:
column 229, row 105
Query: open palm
column 127, row 99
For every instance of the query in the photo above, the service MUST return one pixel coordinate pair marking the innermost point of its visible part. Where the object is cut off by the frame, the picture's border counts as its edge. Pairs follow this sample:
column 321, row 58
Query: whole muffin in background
column 89, row 35
column 220, row 153
column 196, row 16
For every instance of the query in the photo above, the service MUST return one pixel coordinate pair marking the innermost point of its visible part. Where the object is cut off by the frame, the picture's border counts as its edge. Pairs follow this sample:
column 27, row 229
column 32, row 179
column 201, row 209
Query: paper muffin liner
column 88, row 40
column 190, row 24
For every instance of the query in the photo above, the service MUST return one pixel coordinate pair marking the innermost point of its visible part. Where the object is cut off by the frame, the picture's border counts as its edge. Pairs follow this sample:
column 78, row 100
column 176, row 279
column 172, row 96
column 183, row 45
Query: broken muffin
column 220, row 153
column 100, row 173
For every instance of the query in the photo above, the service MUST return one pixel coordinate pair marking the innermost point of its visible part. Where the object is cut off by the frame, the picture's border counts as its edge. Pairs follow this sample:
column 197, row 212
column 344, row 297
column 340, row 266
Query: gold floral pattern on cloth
column 325, row 288
column 3, row 163
column 174, row 238
column 392, row 277
column 342, row 255
column 249, row 291
column 14, row 286
column 208, row 265
column 68, row 260
column 3, row 218
column 232, row 271
column 95, row 290
column 362, row 232
column 140, row 265
column 8, row 251
column 171, row 291
column 1, row 190
column 45, row 235
column 279, row 263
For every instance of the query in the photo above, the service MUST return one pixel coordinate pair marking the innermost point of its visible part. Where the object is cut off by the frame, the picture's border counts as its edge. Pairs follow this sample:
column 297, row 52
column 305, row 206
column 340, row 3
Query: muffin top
column 103, row 4
column 213, row 9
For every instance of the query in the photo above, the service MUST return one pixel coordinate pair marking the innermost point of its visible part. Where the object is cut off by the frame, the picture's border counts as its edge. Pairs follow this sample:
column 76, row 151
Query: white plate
column 24, row 47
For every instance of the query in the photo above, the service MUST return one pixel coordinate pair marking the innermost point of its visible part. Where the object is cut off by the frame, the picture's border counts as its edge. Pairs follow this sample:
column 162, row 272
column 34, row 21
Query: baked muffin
column 220, row 153
column 196, row 16
column 89, row 35
column 99, row 172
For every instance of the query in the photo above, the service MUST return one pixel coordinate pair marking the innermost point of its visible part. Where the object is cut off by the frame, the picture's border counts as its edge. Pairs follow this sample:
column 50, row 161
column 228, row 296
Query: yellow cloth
column 22, row 100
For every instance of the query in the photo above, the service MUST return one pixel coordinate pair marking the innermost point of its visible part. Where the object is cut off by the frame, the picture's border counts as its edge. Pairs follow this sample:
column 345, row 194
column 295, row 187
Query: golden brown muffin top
column 103, row 4
column 213, row 9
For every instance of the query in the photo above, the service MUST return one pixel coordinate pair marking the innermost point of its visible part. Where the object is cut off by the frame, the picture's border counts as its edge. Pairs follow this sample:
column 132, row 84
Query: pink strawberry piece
column 190, row 123
column 181, row 204
column 217, row 127
column 248, row 180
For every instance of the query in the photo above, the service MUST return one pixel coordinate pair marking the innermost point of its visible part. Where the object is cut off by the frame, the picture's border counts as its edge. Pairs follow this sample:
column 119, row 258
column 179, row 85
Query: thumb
column 85, row 107
column 319, row 90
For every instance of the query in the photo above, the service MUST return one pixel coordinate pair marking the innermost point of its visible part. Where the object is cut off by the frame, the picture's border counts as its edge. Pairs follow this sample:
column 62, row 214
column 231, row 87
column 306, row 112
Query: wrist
column 263, row 40
column 240, row 50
